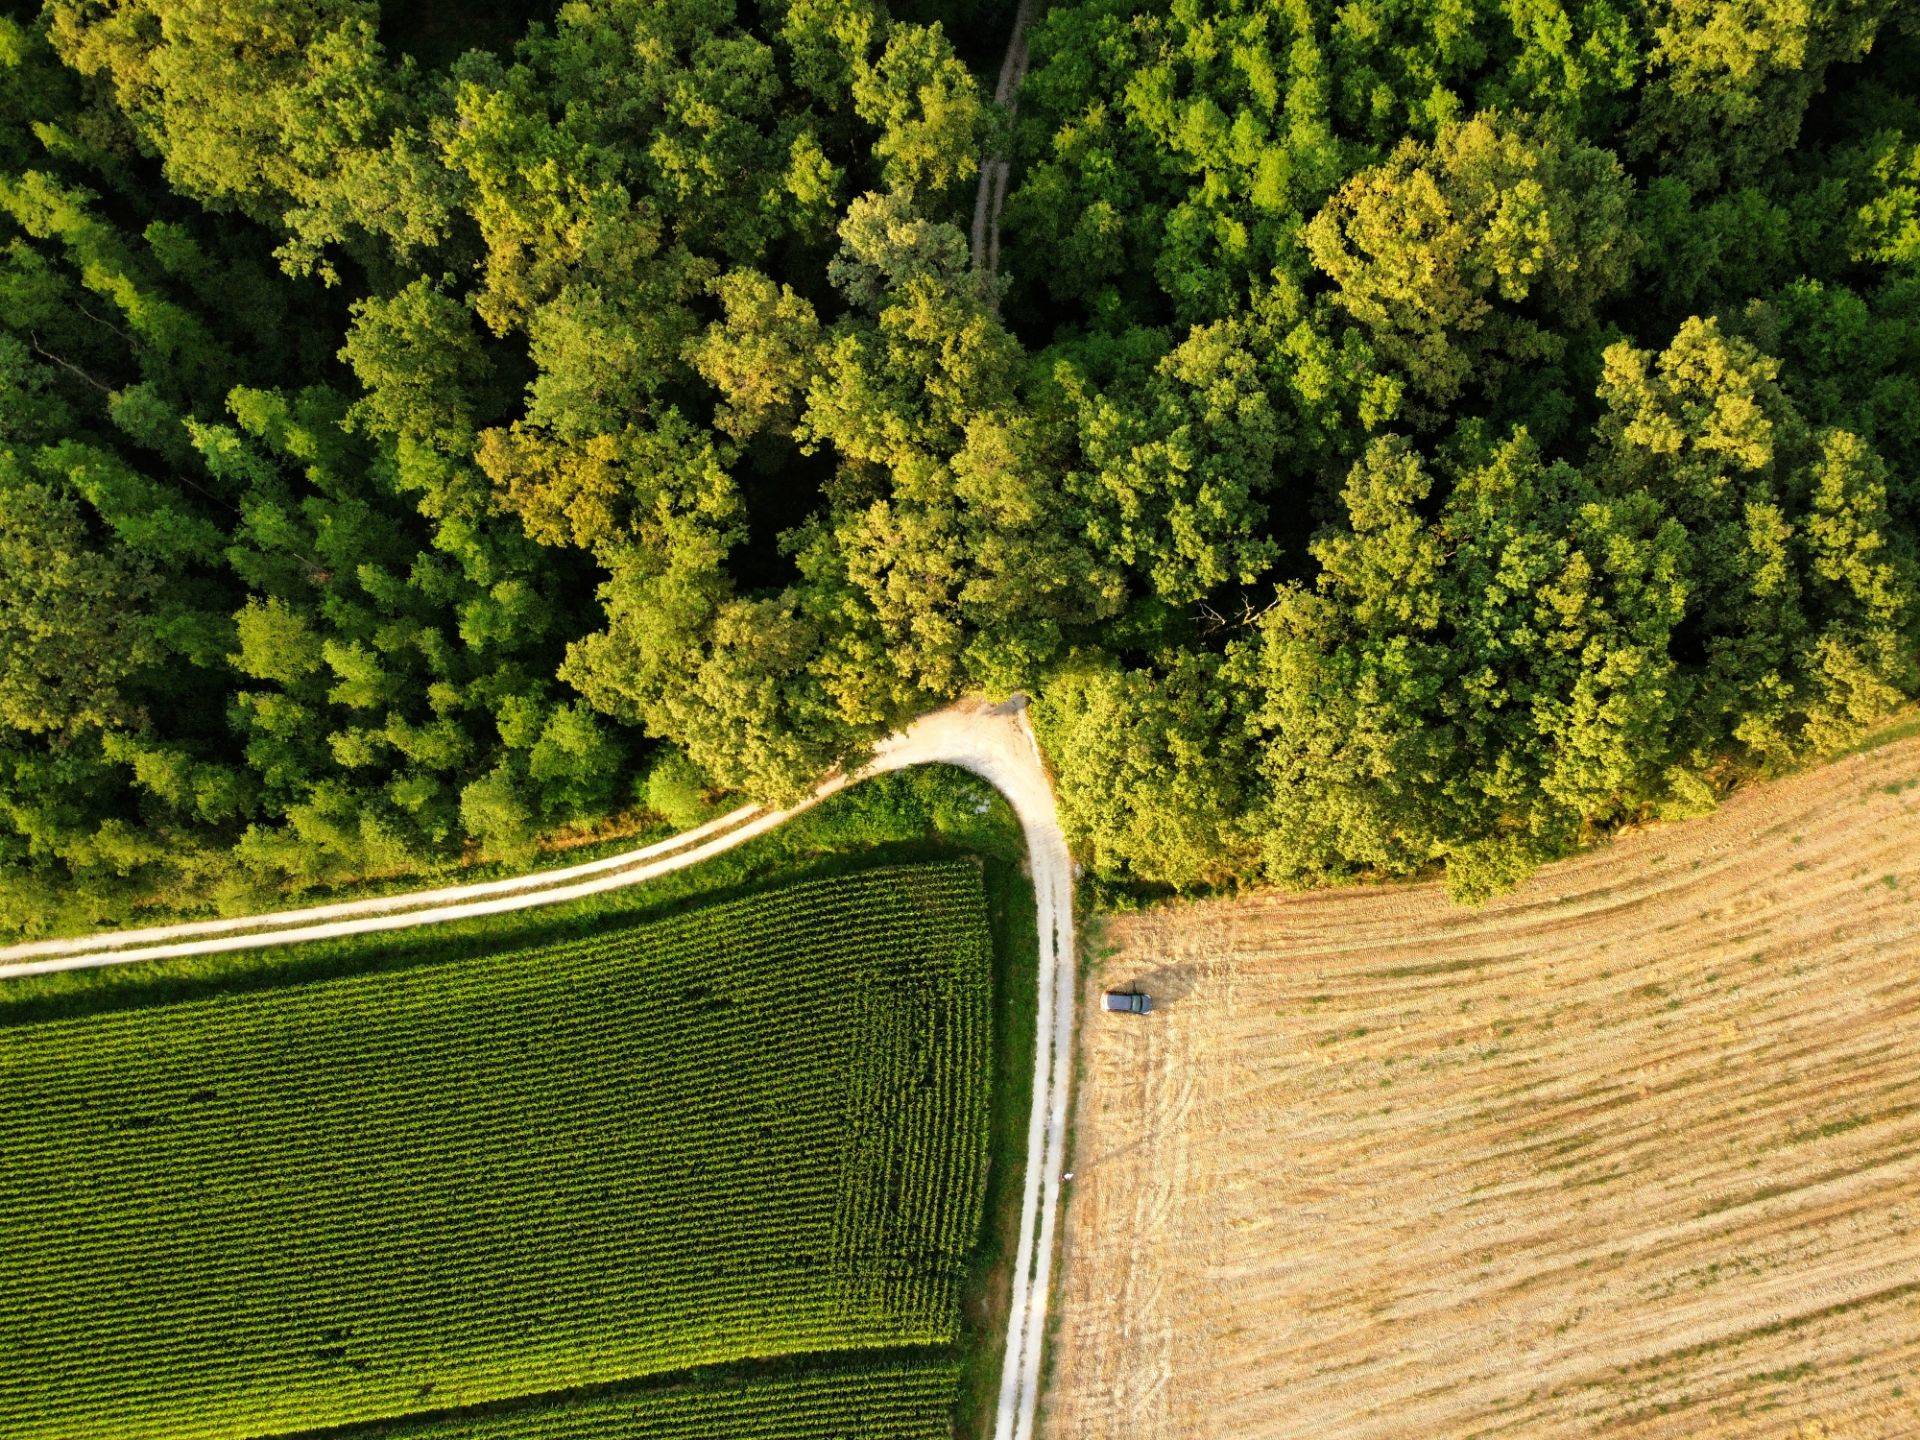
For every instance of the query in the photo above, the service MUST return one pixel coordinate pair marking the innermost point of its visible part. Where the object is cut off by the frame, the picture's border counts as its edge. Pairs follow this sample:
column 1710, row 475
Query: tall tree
column 1474, row 253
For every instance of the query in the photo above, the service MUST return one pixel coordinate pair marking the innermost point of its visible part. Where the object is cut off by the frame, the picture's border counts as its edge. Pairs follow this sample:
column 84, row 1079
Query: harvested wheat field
column 1632, row 1152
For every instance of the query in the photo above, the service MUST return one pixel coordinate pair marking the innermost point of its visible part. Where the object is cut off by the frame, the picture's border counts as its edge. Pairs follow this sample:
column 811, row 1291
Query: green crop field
column 887, row 1400
column 753, row 1130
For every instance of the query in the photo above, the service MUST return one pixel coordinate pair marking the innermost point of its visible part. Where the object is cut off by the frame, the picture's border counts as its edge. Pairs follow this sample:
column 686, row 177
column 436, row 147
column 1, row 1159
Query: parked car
column 1129, row 1002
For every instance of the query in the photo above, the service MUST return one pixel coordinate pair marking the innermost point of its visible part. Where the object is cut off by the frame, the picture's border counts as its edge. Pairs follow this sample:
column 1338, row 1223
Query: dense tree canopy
column 1399, row 435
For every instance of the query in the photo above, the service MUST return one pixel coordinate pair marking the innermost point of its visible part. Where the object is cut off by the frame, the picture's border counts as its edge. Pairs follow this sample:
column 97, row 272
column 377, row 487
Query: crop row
column 751, row 1130
column 883, row 1400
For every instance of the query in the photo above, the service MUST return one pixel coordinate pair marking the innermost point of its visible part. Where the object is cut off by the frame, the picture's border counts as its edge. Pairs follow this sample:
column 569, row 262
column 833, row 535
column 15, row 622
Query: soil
column 1631, row 1152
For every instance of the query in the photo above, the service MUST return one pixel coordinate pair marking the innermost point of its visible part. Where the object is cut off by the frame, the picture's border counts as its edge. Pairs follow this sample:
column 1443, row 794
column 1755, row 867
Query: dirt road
column 993, row 741
column 1634, row 1152
column 991, row 193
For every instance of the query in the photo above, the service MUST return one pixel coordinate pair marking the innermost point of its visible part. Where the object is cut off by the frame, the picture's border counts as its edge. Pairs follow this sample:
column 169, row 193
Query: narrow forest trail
column 991, row 194
column 995, row 742
column 1020, row 1372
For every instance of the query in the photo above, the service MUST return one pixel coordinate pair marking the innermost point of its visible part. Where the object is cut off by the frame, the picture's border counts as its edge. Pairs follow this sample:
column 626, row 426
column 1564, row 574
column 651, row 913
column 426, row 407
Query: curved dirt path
column 994, row 742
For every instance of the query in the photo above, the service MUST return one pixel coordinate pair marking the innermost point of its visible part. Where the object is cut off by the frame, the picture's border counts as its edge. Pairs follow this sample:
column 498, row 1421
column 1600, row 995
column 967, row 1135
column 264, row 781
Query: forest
column 1402, row 437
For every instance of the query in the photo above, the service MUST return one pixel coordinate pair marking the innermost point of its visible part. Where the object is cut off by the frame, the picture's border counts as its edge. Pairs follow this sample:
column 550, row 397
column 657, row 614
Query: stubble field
column 1633, row 1152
